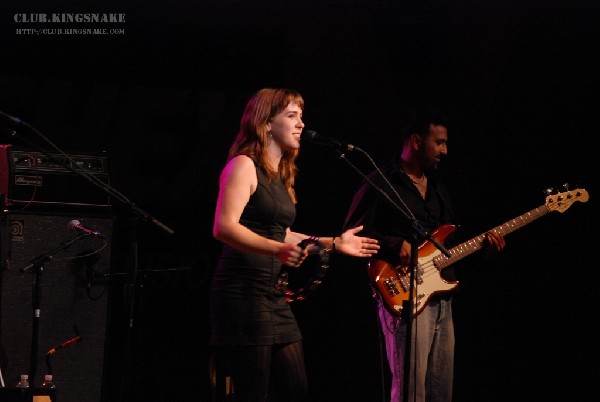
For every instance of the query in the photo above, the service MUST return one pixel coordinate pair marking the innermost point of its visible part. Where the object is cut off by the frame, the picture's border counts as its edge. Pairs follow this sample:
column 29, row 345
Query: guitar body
column 393, row 282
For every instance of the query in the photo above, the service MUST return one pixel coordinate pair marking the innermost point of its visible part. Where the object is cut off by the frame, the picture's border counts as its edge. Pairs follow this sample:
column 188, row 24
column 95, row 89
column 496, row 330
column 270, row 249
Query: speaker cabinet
column 72, row 296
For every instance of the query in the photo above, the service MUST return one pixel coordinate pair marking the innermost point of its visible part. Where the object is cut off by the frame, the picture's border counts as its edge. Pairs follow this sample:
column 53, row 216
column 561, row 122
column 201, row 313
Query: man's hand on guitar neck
column 494, row 241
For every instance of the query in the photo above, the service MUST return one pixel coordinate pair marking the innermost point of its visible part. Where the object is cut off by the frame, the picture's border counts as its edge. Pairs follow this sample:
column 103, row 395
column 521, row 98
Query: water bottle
column 24, row 381
column 48, row 383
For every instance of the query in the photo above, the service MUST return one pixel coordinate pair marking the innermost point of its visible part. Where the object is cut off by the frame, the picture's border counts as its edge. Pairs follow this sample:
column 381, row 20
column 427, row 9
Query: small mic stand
column 419, row 235
column 36, row 265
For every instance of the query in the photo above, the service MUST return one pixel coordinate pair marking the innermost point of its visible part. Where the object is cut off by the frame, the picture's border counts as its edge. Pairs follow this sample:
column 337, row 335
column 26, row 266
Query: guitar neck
column 476, row 243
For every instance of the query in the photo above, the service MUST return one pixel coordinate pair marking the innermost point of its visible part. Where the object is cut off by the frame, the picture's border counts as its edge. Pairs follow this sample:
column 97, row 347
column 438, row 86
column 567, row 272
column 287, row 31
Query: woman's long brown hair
column 252, row 139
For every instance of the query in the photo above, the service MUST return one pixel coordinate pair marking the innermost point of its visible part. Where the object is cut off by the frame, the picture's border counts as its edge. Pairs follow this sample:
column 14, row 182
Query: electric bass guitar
column 392, row 282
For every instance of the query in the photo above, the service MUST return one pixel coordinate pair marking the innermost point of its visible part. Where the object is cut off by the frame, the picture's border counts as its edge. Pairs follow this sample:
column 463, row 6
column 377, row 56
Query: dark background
column 519, row 80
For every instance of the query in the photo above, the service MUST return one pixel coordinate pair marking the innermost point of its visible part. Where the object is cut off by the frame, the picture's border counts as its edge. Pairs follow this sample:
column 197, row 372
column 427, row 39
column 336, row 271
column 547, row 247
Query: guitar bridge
column 419, row 274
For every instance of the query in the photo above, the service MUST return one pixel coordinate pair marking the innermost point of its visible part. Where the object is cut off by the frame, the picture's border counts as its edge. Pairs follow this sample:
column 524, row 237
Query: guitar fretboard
column 476, row 243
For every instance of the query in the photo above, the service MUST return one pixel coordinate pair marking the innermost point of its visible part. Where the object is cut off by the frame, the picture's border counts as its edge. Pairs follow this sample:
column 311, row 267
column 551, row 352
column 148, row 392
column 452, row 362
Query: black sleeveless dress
column 245, row 306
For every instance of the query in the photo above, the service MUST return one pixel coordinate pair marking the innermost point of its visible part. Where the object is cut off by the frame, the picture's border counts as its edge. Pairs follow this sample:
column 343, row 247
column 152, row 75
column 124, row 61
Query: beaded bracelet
column 311, row 240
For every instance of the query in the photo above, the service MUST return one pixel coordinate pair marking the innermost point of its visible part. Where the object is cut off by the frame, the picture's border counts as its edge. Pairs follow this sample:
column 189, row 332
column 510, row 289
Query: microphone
column 12, row 121
column 76, row 225
column 313, row 136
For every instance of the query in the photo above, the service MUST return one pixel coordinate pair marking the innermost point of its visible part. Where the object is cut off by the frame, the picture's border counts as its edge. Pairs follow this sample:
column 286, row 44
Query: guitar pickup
column 390, row 285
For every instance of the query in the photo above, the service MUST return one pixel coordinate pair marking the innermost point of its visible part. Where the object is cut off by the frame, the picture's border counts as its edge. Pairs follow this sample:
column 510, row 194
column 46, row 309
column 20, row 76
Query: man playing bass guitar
column 413, row 183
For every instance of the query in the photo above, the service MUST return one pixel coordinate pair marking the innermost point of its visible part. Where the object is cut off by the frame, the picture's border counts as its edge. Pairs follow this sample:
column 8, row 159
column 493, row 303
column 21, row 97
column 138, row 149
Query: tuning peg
column 548, row 191
column 566, row 186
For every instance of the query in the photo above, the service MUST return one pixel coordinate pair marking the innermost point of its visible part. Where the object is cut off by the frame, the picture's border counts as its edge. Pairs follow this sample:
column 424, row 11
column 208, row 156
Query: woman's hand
column 356, row 246
column 292, row 254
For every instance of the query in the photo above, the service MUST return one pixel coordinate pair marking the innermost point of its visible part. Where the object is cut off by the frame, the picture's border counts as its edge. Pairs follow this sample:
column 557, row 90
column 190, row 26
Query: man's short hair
column 419, row 121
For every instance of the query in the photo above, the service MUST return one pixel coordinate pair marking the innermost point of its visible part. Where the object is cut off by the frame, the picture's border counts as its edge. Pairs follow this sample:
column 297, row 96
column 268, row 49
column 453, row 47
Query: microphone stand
column 136, row 212
column 419, row 234
column 36, row 265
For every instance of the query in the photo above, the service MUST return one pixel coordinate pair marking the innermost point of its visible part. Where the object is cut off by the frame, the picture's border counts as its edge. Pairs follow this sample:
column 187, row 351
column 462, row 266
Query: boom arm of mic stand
column 40, row 260
column 150, row 219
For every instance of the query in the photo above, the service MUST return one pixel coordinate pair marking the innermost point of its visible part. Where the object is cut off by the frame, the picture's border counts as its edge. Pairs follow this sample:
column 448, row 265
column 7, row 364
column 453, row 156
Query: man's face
column 435, row 146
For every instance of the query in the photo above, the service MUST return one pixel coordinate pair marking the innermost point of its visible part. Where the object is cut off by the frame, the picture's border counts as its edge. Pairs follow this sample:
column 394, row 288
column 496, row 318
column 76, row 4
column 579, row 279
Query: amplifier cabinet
column 34, row 178
column 73, row 301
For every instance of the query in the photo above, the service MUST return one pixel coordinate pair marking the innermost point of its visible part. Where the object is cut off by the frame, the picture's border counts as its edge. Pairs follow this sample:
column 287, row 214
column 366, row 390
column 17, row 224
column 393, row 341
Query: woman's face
column 286, row 127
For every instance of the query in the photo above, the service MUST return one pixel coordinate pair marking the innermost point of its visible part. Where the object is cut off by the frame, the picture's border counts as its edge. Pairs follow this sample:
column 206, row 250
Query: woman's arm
column 237, row 183
column 346, row 243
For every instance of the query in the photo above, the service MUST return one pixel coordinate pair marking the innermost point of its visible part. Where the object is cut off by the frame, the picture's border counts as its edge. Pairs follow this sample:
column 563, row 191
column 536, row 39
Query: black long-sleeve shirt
column 383, row 221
